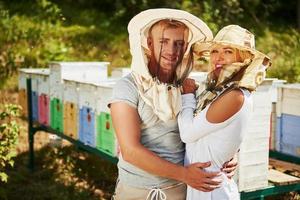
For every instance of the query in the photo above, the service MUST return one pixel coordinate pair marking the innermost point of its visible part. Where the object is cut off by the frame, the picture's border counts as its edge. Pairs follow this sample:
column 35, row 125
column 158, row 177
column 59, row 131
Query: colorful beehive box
column 289, row 134
column 56, row 96
column 87, row 126
column 288, row 119
column 87, row 107
column 72, row 71
column 34, row 75
column 254, row 151
column 44, row 107
column 71, row 108
column 43, row 97
column 35, row 107
column 106, row 138
column 56, row 114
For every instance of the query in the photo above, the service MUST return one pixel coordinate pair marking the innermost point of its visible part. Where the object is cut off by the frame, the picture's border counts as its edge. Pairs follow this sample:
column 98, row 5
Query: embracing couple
column 175, row 144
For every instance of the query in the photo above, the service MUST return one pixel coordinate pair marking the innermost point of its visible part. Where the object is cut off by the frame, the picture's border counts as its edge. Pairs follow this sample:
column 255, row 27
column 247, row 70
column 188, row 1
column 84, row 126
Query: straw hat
column 242, row 39
column 237, row 37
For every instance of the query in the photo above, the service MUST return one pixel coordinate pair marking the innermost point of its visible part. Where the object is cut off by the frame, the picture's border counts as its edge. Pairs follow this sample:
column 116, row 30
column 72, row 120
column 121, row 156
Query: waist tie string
column 156, row 194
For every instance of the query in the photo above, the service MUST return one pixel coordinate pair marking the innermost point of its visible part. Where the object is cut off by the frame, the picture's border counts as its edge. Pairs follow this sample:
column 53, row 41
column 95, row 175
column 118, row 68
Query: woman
column 213, row 125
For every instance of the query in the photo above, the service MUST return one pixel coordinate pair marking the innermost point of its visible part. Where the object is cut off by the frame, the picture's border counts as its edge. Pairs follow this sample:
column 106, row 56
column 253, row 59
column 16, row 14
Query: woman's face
column 221, row 55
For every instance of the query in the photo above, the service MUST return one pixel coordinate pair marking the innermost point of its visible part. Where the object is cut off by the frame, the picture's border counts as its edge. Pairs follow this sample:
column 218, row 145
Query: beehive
column 254, row 151
column 71, row 108
column 288, row 119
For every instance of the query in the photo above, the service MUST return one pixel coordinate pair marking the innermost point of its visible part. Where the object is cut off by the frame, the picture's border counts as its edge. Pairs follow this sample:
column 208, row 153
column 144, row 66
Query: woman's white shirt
column 215, row 142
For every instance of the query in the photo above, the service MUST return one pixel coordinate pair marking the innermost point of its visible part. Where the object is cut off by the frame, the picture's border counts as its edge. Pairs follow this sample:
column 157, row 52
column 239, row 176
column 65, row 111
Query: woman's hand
column 230, row 166
column 189, row 86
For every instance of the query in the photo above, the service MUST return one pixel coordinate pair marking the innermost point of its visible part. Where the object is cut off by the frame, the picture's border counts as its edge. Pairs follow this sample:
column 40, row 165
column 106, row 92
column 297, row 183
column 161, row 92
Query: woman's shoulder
column 226, row 105
column 232, row 98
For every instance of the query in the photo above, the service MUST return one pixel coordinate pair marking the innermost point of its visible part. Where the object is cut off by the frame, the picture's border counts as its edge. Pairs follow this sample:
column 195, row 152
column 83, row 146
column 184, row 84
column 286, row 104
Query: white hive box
column 120, row 72
column 84, row 72
column 55, row 80
column 87, row 93
column 288, row 120
column 288, row 100
column 36, row 75
column 274, row 89
column 71, row 91
column 274, row 93
column 104, row 94
column 254, row 151
column 23, row 75
column 43, row 82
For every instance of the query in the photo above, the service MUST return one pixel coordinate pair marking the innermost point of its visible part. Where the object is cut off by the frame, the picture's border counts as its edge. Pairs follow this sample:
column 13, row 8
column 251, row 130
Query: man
column 145, row 105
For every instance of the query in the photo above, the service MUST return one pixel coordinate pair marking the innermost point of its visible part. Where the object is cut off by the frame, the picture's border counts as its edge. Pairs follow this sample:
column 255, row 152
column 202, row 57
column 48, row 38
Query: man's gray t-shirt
column 160, row 137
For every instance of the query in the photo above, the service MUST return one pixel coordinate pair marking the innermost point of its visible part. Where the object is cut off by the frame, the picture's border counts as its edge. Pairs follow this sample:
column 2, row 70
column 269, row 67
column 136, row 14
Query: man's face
column 168, row 45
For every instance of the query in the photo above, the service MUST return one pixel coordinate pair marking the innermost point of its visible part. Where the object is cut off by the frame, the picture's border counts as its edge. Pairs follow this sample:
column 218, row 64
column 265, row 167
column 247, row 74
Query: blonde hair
column 168, row 23
column 244, row 54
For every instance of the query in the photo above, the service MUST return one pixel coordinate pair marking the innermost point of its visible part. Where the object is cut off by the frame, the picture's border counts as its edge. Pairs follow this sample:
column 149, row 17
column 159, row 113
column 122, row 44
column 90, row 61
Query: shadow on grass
column 64, row 173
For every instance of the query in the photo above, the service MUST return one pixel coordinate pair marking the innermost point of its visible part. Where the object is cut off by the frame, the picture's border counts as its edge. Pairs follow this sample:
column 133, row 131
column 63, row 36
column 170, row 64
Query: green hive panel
column 106, row 140
column 56, row 107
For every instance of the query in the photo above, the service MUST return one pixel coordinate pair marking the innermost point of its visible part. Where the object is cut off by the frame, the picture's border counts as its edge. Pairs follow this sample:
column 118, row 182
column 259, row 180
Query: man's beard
column 165, row 76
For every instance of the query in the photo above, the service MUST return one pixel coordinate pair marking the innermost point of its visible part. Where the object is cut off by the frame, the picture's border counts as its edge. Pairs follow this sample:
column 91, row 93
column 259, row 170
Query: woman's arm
column 217, row 116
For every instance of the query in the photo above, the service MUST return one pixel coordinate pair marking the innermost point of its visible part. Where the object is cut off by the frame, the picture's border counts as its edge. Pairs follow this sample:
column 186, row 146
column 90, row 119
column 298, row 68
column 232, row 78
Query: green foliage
column 283, row 48
column 9, row 130
column 77, row 30
column 23, row 45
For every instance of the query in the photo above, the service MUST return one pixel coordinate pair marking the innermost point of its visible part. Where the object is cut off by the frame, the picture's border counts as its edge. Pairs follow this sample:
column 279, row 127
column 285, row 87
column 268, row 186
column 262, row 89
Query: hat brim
column 201, row 47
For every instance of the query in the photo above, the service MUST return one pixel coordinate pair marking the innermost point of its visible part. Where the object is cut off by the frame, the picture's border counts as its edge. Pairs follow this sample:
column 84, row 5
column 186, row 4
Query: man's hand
column 189, row 86
column 198, row 178
column 229, row 167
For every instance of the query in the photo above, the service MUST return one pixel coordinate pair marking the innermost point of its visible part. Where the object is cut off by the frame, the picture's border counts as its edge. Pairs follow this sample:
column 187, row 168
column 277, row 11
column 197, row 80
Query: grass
column 60, row 173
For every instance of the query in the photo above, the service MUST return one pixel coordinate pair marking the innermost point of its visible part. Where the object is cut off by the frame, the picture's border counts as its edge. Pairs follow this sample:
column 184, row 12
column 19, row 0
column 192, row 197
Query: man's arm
column 126, row 123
